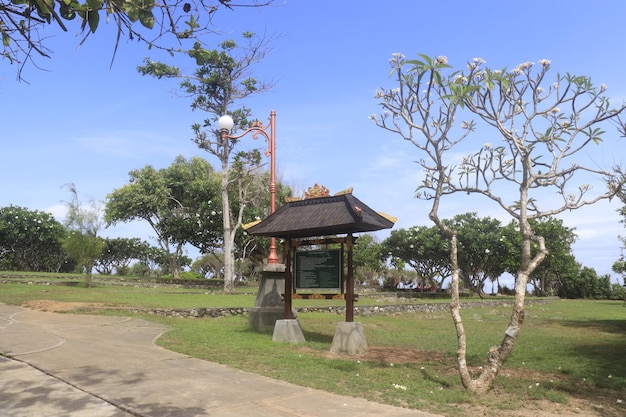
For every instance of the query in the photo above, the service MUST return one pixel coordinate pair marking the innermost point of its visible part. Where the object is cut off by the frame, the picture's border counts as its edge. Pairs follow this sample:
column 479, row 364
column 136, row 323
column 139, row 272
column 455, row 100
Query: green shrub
column 191, row 275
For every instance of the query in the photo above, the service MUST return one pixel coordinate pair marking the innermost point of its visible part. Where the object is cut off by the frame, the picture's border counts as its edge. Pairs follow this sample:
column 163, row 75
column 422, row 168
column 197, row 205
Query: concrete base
column 349, row 338
column 263, row 319
column 269, row 305
column 288, row 331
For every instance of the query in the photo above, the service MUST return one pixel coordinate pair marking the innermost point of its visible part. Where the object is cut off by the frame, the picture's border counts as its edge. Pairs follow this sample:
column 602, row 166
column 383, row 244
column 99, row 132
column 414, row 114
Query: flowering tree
column 560, row 263
column 424, row 249
column 30, row 240
column 483, row 250
column 537, row 156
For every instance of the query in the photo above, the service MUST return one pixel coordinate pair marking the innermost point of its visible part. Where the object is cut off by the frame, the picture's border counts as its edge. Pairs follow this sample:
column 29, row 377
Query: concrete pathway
column 67, row 365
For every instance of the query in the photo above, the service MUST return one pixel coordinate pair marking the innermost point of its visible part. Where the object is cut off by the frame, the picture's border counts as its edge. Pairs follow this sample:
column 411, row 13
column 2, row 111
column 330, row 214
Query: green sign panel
column 318, row 269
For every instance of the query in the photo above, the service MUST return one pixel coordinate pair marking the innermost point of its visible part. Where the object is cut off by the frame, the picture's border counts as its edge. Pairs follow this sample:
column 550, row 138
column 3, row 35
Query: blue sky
column 78, row 120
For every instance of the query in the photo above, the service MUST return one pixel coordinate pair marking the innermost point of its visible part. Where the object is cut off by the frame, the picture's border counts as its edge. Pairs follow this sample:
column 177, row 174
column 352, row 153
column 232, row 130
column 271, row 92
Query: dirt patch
column 384, row 354
column 59, row 306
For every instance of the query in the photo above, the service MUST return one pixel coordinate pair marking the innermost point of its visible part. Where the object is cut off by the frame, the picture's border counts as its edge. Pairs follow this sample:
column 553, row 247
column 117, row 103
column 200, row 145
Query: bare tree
column 538, row 152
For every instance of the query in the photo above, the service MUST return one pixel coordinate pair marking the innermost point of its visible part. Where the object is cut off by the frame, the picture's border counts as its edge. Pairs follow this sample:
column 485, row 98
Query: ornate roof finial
column 316, row 191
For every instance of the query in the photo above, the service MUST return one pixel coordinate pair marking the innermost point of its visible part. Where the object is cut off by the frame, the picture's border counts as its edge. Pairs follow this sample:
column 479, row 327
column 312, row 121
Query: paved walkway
column 67, row 365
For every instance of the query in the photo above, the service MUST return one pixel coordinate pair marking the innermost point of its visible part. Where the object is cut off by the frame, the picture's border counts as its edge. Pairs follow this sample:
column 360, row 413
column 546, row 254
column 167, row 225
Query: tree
column 83, row 243
column 366, row 258
column 210, row 265
column 620, row 265
column 117, row 254
column 222, row 78
column 538, row 156
column 30, row 240
column 256, row 248
column 180, row 203
column 558, row 266
column 482, row 250
column 586, row 283
column 424, row 249
column 163, row 25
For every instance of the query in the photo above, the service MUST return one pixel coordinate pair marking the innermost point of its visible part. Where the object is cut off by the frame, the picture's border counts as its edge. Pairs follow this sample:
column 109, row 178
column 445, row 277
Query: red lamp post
column 225, row 124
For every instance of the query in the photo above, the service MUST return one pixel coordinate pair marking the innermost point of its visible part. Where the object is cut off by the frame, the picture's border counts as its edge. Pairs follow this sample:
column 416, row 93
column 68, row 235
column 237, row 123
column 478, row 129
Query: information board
column 318, row 269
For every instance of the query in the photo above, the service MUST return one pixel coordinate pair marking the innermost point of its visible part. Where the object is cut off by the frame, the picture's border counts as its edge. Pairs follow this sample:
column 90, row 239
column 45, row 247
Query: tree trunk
column 229, row 281
column 499, row 354
column 89, row 278
column 455, row 312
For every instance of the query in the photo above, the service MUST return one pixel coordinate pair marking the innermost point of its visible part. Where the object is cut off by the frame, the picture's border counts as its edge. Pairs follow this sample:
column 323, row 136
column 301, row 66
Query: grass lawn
column 570, row 355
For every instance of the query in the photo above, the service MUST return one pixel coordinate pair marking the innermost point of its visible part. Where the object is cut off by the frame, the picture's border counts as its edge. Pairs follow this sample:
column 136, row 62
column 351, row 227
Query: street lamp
column 225, row 124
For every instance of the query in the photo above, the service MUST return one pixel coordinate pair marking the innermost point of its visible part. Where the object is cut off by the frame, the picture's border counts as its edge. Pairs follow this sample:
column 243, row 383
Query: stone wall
column 365, row 311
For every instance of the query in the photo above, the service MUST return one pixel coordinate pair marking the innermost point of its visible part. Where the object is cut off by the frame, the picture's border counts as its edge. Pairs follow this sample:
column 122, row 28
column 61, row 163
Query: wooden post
column 288, row 279
column 350, row 282
column 342, row 281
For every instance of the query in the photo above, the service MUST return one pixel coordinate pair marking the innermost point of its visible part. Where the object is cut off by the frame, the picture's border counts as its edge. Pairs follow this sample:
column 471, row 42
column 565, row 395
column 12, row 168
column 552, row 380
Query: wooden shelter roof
column 322, row 216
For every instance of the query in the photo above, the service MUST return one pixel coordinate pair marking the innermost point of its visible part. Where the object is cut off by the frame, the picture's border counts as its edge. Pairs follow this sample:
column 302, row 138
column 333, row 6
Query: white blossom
column 545, row 63
column 476, row 62
column 396, row 59
column 526, row 65
column 441, row 60
column 459, row 79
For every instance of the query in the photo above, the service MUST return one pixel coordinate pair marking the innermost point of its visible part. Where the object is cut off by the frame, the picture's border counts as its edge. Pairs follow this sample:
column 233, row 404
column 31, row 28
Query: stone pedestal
column 288, row 331
column 349, row 338
column 269, row 305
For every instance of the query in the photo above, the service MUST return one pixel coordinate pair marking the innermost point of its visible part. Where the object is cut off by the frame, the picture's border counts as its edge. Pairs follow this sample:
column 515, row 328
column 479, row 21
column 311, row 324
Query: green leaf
column 427, row 59
column 146, row 18
column 93, row 18
column 437, row 77
column 94, row 4
column 6, row 39
column 43, row 10
column 133, row 14
column 67, row 13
